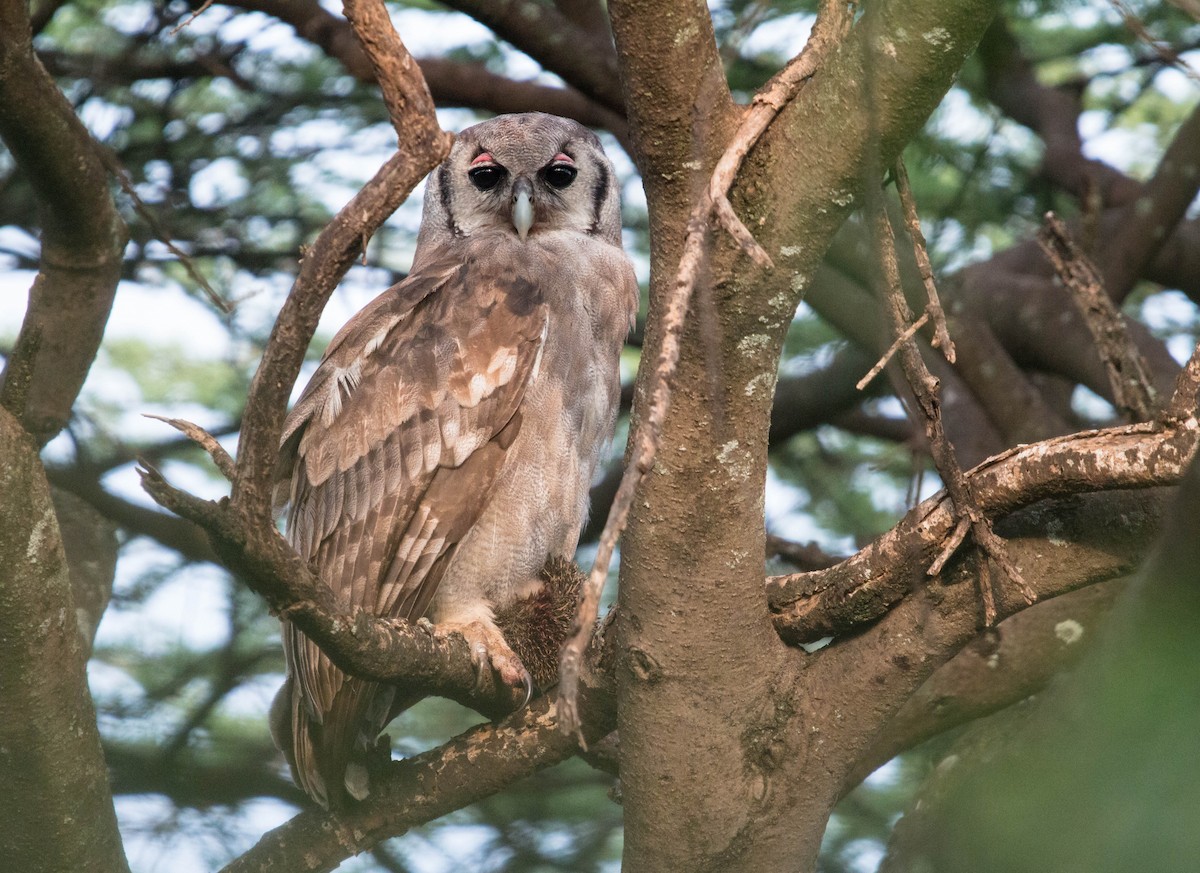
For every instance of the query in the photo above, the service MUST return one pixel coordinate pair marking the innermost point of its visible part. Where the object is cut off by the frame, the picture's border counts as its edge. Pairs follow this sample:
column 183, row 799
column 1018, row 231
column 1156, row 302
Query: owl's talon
column 490, row 653
column 528, row 690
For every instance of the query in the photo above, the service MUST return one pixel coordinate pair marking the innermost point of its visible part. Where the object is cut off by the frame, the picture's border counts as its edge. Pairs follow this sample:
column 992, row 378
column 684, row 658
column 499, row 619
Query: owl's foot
column 490, row 651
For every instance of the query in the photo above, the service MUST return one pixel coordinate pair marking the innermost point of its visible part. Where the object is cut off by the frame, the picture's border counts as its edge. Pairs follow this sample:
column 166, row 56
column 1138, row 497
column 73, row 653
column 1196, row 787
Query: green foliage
column 167, row 374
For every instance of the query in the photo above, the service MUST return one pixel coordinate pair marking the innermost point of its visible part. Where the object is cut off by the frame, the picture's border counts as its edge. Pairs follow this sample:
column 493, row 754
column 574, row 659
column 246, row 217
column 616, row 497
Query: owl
column 443, row 450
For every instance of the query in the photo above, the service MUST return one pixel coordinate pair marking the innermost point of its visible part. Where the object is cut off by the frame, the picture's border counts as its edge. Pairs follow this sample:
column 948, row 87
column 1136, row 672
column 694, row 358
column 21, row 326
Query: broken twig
column 1128, row 375
column 204, row 439
column 925, row 390
column 912, row 221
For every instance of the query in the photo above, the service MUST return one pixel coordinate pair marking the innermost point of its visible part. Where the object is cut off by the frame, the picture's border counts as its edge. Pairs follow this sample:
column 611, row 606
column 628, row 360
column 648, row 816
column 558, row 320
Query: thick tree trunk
column 731, row 758
column 56, row 811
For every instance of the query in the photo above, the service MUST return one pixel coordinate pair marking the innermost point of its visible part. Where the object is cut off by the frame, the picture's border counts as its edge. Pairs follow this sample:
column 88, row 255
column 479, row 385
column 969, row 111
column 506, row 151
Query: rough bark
column 82, row 236
column 1100, row 774
column 56, row 811
column 999, row 668
column 706, row 695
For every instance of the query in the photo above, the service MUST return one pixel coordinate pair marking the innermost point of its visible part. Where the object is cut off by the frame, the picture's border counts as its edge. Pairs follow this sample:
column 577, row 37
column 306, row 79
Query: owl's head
column 522, row 175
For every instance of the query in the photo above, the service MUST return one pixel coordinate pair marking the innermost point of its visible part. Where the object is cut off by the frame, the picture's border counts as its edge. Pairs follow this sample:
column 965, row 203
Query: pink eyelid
column 485, row 158
column 560, row 158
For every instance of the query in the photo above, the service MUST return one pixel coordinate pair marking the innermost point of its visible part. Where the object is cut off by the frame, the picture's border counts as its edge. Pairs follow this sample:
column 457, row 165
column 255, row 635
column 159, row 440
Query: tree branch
column 422, row 146
column 56, row 810
column 362, row 645
column 584, row 59
column 1006, row 664
column 83, row 237
column 1132, row 391
column 808, row 606
column 404, row 794
column 925, row 389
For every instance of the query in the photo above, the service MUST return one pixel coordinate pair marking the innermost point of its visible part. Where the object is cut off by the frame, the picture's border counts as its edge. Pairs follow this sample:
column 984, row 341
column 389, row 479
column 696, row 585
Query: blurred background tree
column 235, row 131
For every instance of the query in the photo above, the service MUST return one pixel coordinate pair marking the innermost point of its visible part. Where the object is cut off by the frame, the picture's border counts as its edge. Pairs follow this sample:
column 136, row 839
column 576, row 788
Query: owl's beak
column 522, row 206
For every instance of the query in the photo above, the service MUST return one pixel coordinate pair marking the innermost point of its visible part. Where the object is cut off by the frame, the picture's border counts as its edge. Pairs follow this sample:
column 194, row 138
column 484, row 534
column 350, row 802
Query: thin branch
column 160, row 233
column 808, row 606
column 950, row 546
column 1132, row 388
column 1162, row 50
column 170, row 531
column 423, row 145
column 196, row 13
column 832, row 24
column 912, row 221
column 205, row 440
column 887, row 356
column 925, row 389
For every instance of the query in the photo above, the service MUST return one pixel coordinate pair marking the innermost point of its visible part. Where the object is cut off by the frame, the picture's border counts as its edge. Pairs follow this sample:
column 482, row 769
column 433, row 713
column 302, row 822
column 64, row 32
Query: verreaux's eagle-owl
column 444, row 447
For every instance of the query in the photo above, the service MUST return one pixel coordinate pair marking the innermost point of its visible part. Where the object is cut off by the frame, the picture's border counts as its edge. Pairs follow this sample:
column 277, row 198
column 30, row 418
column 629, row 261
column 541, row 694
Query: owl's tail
column 327, row 728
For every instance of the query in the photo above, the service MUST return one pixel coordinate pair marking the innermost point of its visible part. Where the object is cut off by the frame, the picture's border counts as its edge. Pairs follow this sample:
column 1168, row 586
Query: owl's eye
column 486, row 177
column 560, row 175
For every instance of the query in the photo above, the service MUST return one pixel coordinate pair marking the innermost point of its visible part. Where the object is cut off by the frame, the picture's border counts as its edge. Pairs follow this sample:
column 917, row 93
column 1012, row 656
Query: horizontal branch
column 404, row 794
column 197, row 780
column 1001, row 667
column 585, row 60
column 452, row 83
column 808, row 606
column 363, row 645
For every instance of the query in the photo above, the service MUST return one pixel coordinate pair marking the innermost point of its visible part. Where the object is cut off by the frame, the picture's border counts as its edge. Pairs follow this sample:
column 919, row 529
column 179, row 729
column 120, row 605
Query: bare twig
column 925, row 389
column 1164, row 52
column 205, row 440
column 941, row 336
column 160, row 233
column 1128, row 375
column 950, row 546
column 1183, row 401
column 195, row 14
column 832, row 24
column 908, row 334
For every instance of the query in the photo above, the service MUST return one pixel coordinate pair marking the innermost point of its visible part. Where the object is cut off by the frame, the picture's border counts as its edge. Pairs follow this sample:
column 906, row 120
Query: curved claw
column 490, row 652
column 528, row 690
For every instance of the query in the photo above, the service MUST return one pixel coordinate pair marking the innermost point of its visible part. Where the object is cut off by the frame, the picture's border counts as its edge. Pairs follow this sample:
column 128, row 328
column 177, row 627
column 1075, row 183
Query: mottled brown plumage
column 443, row 449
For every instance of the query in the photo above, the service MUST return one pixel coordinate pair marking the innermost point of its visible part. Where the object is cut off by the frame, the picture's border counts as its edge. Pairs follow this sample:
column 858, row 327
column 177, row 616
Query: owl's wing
column 392, row 452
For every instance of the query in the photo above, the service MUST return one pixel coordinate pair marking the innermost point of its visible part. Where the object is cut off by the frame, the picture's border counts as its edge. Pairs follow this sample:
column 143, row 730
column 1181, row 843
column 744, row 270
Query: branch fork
column 970, row 518
column 833, row 23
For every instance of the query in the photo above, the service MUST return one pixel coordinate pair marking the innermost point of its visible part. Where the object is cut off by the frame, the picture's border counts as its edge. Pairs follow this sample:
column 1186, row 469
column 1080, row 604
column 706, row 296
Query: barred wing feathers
column 392, row 453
